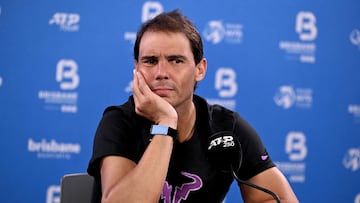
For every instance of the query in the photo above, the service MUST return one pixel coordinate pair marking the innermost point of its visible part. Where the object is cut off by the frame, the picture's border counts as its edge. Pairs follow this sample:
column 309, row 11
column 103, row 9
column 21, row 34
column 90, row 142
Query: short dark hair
column 173, row 21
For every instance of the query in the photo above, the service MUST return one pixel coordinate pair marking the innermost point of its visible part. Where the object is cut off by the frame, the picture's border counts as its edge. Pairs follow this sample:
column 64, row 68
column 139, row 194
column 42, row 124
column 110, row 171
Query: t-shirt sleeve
column 255, row 157
column 114, row 136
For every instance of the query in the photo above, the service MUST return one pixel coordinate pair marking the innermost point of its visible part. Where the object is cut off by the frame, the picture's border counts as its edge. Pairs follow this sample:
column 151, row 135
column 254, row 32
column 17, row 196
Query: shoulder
column 126, row 107
column 201, row 103
column 219, row 117
column 124, row 112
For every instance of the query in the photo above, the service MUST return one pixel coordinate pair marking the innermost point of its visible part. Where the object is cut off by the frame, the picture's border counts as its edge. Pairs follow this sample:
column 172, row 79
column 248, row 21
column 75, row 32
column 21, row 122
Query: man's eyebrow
column 176, row 57
column 148, row 57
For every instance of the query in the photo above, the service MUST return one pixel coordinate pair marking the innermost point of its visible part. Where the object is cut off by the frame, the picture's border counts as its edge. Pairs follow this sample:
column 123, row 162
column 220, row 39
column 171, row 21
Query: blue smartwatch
column 163, row 130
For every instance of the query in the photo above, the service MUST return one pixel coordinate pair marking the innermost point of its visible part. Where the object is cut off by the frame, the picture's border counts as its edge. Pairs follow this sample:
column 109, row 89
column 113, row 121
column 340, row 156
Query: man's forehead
column 166, row 48
column 164, row 39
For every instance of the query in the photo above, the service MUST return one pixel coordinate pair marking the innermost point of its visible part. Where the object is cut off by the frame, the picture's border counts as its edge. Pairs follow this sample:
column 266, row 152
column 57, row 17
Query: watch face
column 159, row 130
column 163, row 130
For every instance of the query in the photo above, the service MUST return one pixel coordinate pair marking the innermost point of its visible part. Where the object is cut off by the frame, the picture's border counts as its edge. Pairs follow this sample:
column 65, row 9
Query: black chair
column 76, row 188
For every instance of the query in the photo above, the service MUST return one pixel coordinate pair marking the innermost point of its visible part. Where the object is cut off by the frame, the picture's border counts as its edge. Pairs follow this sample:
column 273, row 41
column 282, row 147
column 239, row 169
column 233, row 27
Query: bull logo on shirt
column 181, row 192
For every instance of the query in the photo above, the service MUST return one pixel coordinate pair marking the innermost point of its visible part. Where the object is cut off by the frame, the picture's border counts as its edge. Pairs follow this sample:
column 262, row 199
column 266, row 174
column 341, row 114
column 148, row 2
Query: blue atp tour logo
column 68, row 22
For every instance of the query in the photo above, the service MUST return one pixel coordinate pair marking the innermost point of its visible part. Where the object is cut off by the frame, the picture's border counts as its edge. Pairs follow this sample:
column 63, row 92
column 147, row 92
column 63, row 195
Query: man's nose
column 162, row 70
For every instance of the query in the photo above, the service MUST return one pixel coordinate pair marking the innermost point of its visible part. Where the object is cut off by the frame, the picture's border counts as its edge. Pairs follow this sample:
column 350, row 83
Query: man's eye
column 177, row 61
column 150, row 61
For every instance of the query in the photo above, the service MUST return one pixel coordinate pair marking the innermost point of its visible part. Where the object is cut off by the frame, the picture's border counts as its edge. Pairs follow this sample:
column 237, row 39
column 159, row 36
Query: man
column 155, row 147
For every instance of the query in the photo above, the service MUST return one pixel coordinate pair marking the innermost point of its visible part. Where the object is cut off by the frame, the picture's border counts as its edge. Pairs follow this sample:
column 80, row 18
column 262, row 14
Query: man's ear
column 201, row 70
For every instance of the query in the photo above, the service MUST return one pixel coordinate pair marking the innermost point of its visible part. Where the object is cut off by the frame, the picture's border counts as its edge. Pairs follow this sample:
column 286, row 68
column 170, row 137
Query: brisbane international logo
column 351, row 159
column 355, row 37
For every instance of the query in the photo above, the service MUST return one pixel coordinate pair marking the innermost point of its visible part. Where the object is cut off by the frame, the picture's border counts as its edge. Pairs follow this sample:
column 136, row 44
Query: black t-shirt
column 191, row 177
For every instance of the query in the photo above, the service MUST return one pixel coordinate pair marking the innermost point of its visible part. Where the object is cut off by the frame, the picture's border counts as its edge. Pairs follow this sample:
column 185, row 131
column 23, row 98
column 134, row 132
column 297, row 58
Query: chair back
column 76, row 188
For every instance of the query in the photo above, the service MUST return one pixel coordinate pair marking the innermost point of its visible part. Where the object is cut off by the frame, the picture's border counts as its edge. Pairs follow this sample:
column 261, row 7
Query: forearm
column 271, row 179
column 144, row 183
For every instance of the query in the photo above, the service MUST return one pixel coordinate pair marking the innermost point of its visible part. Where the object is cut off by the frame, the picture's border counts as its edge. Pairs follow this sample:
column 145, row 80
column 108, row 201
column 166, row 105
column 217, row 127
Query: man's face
column 167, row 63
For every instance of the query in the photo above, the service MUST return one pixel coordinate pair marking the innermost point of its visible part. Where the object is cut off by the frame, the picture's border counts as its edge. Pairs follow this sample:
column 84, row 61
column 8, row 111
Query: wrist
column 172, row 123
column 167, row 120
column 164, row 130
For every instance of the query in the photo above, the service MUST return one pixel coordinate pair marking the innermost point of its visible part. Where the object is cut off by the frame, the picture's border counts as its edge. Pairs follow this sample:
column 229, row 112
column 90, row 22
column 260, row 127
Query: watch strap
column 163, row 130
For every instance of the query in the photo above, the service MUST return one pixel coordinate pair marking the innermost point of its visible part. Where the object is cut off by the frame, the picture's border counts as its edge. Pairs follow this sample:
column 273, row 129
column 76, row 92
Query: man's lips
column 162, row 91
